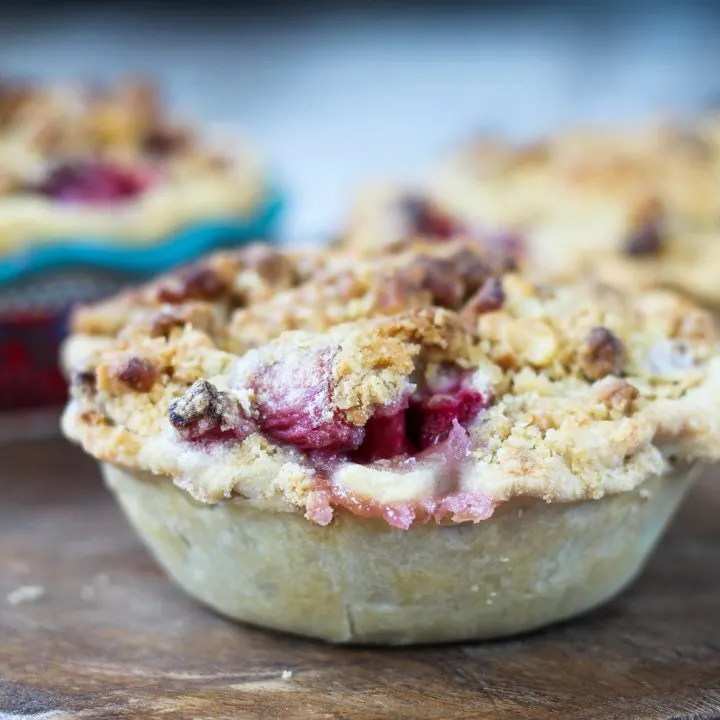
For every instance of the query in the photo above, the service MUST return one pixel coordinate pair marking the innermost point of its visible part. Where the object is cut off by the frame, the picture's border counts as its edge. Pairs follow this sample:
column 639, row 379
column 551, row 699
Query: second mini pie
column 636, row 205
column 422, row 447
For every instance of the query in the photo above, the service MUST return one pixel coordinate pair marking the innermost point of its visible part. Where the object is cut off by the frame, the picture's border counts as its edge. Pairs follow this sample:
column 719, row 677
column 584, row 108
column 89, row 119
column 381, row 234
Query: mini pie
column 80, row 161
column 639, row 205
column 420, row 447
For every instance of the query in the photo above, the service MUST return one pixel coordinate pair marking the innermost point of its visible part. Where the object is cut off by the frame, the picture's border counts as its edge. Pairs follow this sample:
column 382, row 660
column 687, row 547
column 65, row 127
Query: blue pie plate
column 146, row 259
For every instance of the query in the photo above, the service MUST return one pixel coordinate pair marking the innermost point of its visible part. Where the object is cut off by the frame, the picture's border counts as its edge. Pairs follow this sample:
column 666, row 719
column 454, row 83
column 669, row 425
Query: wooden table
column 111, row 637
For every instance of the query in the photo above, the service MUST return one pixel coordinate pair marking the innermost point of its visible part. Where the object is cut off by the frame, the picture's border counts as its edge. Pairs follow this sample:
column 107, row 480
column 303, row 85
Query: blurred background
column 340, row 93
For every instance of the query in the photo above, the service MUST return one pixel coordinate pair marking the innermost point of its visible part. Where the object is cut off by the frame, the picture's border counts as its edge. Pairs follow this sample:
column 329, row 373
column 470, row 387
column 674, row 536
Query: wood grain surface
column 110, row 637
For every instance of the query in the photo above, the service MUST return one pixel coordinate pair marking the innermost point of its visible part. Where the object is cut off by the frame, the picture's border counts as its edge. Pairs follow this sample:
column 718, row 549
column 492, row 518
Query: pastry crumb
column 286, row 674
column 25, row 594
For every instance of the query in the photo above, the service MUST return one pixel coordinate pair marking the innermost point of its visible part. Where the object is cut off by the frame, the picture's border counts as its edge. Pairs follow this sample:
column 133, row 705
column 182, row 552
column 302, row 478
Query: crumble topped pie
column 430, row 385
column 84, row 161
column 346, row 447
column 636, row 205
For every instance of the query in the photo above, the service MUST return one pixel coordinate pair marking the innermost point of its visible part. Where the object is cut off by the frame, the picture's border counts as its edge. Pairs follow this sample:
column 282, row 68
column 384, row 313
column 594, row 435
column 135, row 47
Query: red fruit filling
column 457, row 506
column 425, row 219
column 426, row 422
column 466, row 506
column 318, row 508
column 385, row 437
column 293, row 397
column 400, row 516
column 93, row 182
column 294, row 400
column 430, row 419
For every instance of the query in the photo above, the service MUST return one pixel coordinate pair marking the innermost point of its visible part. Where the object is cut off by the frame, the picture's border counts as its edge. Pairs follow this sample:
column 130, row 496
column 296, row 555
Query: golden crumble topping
column 637, row 206
column 425, row 384
column 202, row 293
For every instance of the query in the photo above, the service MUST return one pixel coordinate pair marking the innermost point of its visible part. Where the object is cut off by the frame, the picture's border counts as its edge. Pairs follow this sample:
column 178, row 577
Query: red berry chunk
column 426, row 219
column 385, row 437
column 93, row 182
column 294, row 399
column 430, row 419
column 427, row 421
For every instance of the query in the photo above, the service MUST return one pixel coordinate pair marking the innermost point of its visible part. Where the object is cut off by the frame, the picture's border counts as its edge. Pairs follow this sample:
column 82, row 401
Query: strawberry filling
column 94, row 183
column 456, row 507
column 426, row 219
column 430, row 419
column 385, row 437
column 294, row 400
column 425, row 422
column 294, row 405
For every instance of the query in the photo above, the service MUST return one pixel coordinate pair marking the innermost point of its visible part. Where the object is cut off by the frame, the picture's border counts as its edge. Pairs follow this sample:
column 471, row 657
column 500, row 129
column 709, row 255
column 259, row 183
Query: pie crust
column 361, row 581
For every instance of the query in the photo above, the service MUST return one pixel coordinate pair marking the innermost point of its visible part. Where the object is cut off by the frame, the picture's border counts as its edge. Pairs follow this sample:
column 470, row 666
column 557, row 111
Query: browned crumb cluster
column 601, row 353
column 245, row 297
column 202, row 294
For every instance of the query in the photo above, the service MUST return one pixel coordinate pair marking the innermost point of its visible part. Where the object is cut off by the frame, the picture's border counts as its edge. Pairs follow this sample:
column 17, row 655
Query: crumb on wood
column 89, row 591
column 286, row 674
column 25, row 594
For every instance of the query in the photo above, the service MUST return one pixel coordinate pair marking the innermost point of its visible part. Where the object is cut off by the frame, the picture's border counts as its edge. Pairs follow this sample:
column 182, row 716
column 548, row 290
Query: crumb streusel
column 433, row 383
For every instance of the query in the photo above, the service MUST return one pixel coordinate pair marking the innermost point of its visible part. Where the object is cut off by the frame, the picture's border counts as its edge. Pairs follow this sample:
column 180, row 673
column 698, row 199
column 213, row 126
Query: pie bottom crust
column 359, row 580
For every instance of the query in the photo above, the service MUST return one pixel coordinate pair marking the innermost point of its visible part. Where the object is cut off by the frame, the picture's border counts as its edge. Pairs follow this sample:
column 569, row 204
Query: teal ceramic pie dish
column 137, row 259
